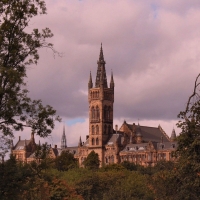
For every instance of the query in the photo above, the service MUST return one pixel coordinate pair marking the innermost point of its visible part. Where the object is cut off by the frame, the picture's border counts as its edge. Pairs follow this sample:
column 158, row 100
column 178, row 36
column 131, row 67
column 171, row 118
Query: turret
column 112, row 84
column 90, row 84
column 173, row 135
column 138, row 134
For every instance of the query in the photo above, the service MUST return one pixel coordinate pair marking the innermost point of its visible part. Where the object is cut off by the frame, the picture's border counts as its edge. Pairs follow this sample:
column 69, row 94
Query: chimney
column 87, row 136
column 116, row 128
column 19, row 138
column 55, row 147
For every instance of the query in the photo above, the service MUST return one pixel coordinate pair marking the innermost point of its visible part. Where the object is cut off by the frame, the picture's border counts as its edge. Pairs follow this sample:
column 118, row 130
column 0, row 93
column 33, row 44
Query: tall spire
column 101, row 57
column 63, row 140
column 112, row 84
column 101, row 78
column 90, row 84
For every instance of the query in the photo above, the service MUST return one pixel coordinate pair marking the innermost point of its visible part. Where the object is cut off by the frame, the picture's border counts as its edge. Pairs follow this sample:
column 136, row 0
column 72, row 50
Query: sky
column 152, row 47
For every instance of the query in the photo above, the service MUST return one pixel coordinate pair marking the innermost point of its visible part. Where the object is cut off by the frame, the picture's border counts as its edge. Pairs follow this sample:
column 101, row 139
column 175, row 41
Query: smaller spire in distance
column 112, row 84
column 63, row 140
column 90, row 84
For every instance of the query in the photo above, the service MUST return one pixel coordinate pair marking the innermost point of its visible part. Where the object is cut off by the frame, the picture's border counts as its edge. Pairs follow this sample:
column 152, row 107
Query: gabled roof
column 154, row 134
column 117, row 137
column 21, row 144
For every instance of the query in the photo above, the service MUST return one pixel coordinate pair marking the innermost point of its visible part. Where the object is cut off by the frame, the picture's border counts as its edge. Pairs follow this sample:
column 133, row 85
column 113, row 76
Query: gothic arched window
column 109, row 113
column 97, row 113
column 93, row 130
column 97, row 129
column 93, row 113
column 97, row 141
column 93, row 141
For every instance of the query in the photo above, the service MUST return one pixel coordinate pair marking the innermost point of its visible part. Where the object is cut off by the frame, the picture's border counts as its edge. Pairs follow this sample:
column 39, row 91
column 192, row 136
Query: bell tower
column 101, row 99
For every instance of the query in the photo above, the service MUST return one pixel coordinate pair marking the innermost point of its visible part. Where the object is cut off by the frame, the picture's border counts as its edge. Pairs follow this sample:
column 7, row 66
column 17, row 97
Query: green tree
column 182, row 179
column 19, row 49
column 92, row 161
column 65, row 161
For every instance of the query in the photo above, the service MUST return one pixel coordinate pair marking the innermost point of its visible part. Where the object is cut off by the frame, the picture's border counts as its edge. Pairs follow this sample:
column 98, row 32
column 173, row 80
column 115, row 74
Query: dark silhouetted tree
column 92, row 161
column 19, row 49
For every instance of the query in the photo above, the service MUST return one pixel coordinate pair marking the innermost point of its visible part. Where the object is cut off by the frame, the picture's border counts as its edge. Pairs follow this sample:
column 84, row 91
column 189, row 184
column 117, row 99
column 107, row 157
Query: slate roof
column 167, row 145
column 153, row 134
column 115, row 137
column 86, row 143
column 20, row 144
column 135, row 147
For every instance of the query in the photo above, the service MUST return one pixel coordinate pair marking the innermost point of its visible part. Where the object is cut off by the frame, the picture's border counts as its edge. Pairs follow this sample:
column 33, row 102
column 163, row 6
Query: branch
column 193, row 94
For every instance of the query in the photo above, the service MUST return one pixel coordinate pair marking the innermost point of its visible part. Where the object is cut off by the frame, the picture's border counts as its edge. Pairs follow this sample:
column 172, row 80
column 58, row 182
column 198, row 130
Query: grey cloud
column 135, row 43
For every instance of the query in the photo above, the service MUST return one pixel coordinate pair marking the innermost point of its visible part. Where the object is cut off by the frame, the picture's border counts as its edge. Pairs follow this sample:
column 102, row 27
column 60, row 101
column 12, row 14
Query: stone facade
column 134, row 143
column 139, row 144
column 24, row 149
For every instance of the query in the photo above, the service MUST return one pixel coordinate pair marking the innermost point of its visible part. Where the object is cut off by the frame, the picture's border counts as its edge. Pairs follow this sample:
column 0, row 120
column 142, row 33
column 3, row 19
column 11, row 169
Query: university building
column 131, row 142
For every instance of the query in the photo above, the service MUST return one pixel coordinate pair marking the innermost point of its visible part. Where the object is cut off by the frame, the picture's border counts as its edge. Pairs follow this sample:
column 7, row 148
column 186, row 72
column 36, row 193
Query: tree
column 188, row 151
column 65, row 161
column 92, row 161
column 19, row 49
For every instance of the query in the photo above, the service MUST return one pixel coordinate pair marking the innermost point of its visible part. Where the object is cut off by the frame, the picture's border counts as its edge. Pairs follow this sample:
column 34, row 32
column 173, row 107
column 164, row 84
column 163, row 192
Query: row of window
column 95, row 114
column 94, row 94
column 95, row 141
column 109, row 159
column 95, row 129
column 148, row 157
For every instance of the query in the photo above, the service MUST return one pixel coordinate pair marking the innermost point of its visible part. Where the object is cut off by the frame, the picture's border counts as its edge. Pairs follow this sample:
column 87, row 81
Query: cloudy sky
column 152, row 46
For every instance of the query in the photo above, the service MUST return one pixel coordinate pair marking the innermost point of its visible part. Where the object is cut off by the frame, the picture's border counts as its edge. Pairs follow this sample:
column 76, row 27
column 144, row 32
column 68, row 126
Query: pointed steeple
column 63, row 140
column 101, row 57
column 80, row 142
column 101, row 78
column 173, row 135
column 138, row 132
column 112, row 84
column 90, row 84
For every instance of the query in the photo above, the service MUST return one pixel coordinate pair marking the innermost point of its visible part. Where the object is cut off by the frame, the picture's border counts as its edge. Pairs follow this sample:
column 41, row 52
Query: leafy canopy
column 92, row 161
column 18, row 50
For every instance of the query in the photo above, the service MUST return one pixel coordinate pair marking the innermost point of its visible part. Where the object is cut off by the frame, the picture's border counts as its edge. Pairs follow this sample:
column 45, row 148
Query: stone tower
column 101, row 99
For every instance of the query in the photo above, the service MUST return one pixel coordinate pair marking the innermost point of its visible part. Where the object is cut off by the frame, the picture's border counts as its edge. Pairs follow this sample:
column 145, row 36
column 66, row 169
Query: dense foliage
column 19, row 49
